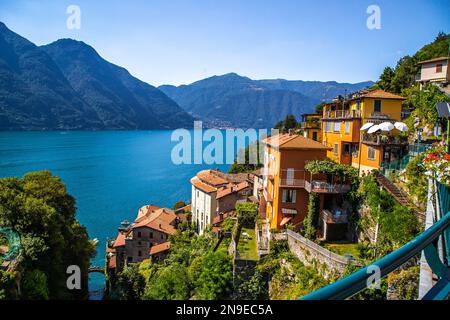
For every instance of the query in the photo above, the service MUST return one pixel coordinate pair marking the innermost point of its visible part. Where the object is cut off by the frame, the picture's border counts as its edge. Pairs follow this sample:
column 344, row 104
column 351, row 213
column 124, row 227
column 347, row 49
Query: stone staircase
column 400, row 196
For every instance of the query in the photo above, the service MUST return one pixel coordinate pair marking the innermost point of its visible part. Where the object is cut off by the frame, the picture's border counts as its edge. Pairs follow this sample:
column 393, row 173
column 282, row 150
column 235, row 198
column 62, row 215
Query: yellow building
column 341, row 123
column 311, row 126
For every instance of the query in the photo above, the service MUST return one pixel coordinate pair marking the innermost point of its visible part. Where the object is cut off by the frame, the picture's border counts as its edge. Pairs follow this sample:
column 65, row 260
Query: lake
column 110, row 173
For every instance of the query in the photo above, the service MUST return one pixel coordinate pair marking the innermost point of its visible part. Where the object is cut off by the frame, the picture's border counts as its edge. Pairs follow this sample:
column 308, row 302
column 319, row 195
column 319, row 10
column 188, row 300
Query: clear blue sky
column 181, row 41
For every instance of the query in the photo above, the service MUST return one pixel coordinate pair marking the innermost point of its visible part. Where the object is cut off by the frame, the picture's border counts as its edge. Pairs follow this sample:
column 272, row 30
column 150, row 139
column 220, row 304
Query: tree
column 130, row 283
column 247, row 166
column 34, row 285
column 215, row 280
column 39, row 208
column 310, row 223
column 170, row 283
column 288, row 123
column 178, row 205
column 386, row 80
column 246, row 213
column 319, row 108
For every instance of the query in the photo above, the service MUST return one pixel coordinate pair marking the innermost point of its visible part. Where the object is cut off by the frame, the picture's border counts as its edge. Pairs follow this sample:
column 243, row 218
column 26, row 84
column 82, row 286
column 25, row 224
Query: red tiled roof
column 378, row 93
column 210, row 177
column 160, row 219
column 160, row 247
column 293, row 141
column 232, row 188
column 434, row 60
column 196, row 182
column 112, row 262
column 120, row 240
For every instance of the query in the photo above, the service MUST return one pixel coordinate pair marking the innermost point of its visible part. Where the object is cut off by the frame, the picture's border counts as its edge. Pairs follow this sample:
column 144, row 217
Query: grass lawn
column 247, row 248
column 343, row 248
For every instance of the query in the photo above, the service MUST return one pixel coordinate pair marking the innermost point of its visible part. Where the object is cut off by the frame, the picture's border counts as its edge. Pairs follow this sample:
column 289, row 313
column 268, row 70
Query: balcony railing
column 375, row 139
column 342, row 114
column 329, row 217
column 312, row 183
column 311, row 125
column 326, row 187
column 379, row 115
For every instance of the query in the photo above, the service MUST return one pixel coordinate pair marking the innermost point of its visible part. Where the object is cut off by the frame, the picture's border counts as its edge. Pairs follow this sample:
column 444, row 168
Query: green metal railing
column 348, row 286
column 426, row 241
column 413, row 151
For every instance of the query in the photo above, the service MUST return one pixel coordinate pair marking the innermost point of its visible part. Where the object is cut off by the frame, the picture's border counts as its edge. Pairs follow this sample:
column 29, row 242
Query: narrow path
column 400, row 196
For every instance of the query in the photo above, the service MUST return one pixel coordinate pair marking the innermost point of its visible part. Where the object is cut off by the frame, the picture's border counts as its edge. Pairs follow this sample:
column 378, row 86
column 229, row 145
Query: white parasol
column 374, row 129
column 401, row 126
column 366, row 126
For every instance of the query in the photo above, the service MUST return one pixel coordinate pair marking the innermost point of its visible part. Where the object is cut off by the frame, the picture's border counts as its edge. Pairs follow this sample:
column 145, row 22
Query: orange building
column 286, row 183
column 311, row 126
column 343, row 119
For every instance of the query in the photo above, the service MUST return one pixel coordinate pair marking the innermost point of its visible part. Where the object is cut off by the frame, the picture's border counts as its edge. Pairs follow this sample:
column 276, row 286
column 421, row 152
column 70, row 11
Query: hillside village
column 333, row 193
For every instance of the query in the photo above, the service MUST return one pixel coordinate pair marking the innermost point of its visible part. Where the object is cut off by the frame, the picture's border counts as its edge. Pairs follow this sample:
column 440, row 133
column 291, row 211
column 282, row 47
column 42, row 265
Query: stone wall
column 311, row 254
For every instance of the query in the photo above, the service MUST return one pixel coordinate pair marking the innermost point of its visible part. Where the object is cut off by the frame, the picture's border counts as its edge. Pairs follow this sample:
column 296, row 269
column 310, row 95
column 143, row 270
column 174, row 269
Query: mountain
column 66, row 85
column 34, row 94
column 237, row 101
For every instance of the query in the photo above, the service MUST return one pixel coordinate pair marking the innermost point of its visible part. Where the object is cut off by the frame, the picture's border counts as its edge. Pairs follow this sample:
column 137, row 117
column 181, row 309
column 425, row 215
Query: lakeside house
column 287, row 185
column 311, row 126
column 435, row 71
column 215, row 193
column 344, row 124
column 147, row 237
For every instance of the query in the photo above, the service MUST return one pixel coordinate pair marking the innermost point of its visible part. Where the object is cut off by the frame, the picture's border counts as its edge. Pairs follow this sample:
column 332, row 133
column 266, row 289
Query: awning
column 288, row 211
column 285, row 221
column 366, row 126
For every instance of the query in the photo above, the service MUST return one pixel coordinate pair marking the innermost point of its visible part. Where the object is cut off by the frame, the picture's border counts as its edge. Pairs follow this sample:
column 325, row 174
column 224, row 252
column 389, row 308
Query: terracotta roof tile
column 196, row 182
column 232, row 189
column 160, row 247
column 378, row 93
column 120, row 240
column 293, row 141
column 210, row 177
column 161, row 220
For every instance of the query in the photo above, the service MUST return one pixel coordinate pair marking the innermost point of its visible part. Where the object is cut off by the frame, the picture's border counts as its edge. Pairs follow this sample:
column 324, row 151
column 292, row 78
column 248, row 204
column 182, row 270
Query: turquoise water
column 111, row 174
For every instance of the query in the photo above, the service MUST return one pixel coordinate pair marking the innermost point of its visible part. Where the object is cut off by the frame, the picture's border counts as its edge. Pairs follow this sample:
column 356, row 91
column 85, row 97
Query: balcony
column 318, row 183
column 326, row 187
column 379, row 116
column 342, row 114
column 337, row 217
column 293, row 179
column 377, row 140
column 311, row 125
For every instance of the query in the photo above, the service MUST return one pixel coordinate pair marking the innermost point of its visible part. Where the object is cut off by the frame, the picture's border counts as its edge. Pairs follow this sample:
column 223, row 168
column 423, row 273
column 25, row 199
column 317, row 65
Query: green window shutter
column 377, row 106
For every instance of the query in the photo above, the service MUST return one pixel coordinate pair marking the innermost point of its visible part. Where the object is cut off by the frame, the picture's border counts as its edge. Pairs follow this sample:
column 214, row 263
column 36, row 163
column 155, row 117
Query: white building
column 435, row 71
column 204, row 204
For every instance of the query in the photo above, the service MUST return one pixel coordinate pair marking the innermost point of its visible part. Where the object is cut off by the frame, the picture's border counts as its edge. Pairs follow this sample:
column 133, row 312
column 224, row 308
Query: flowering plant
column 437, row 164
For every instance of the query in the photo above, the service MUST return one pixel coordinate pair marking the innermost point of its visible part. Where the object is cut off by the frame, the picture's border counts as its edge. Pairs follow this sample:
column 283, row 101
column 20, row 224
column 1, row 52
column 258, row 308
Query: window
column 337, row 126
column 290, row 176
column 162, row 236
column 289, row 196
column 371, row 153
column 151, row 235
column 336, row 148
column 347, row 127
column 129, row 259
column 314, row 136
column 139, row 234
column 346, row 148
column 438, row 68
column 358, row 105
column 140, row 253
column 377, row 106
column 198, row 194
